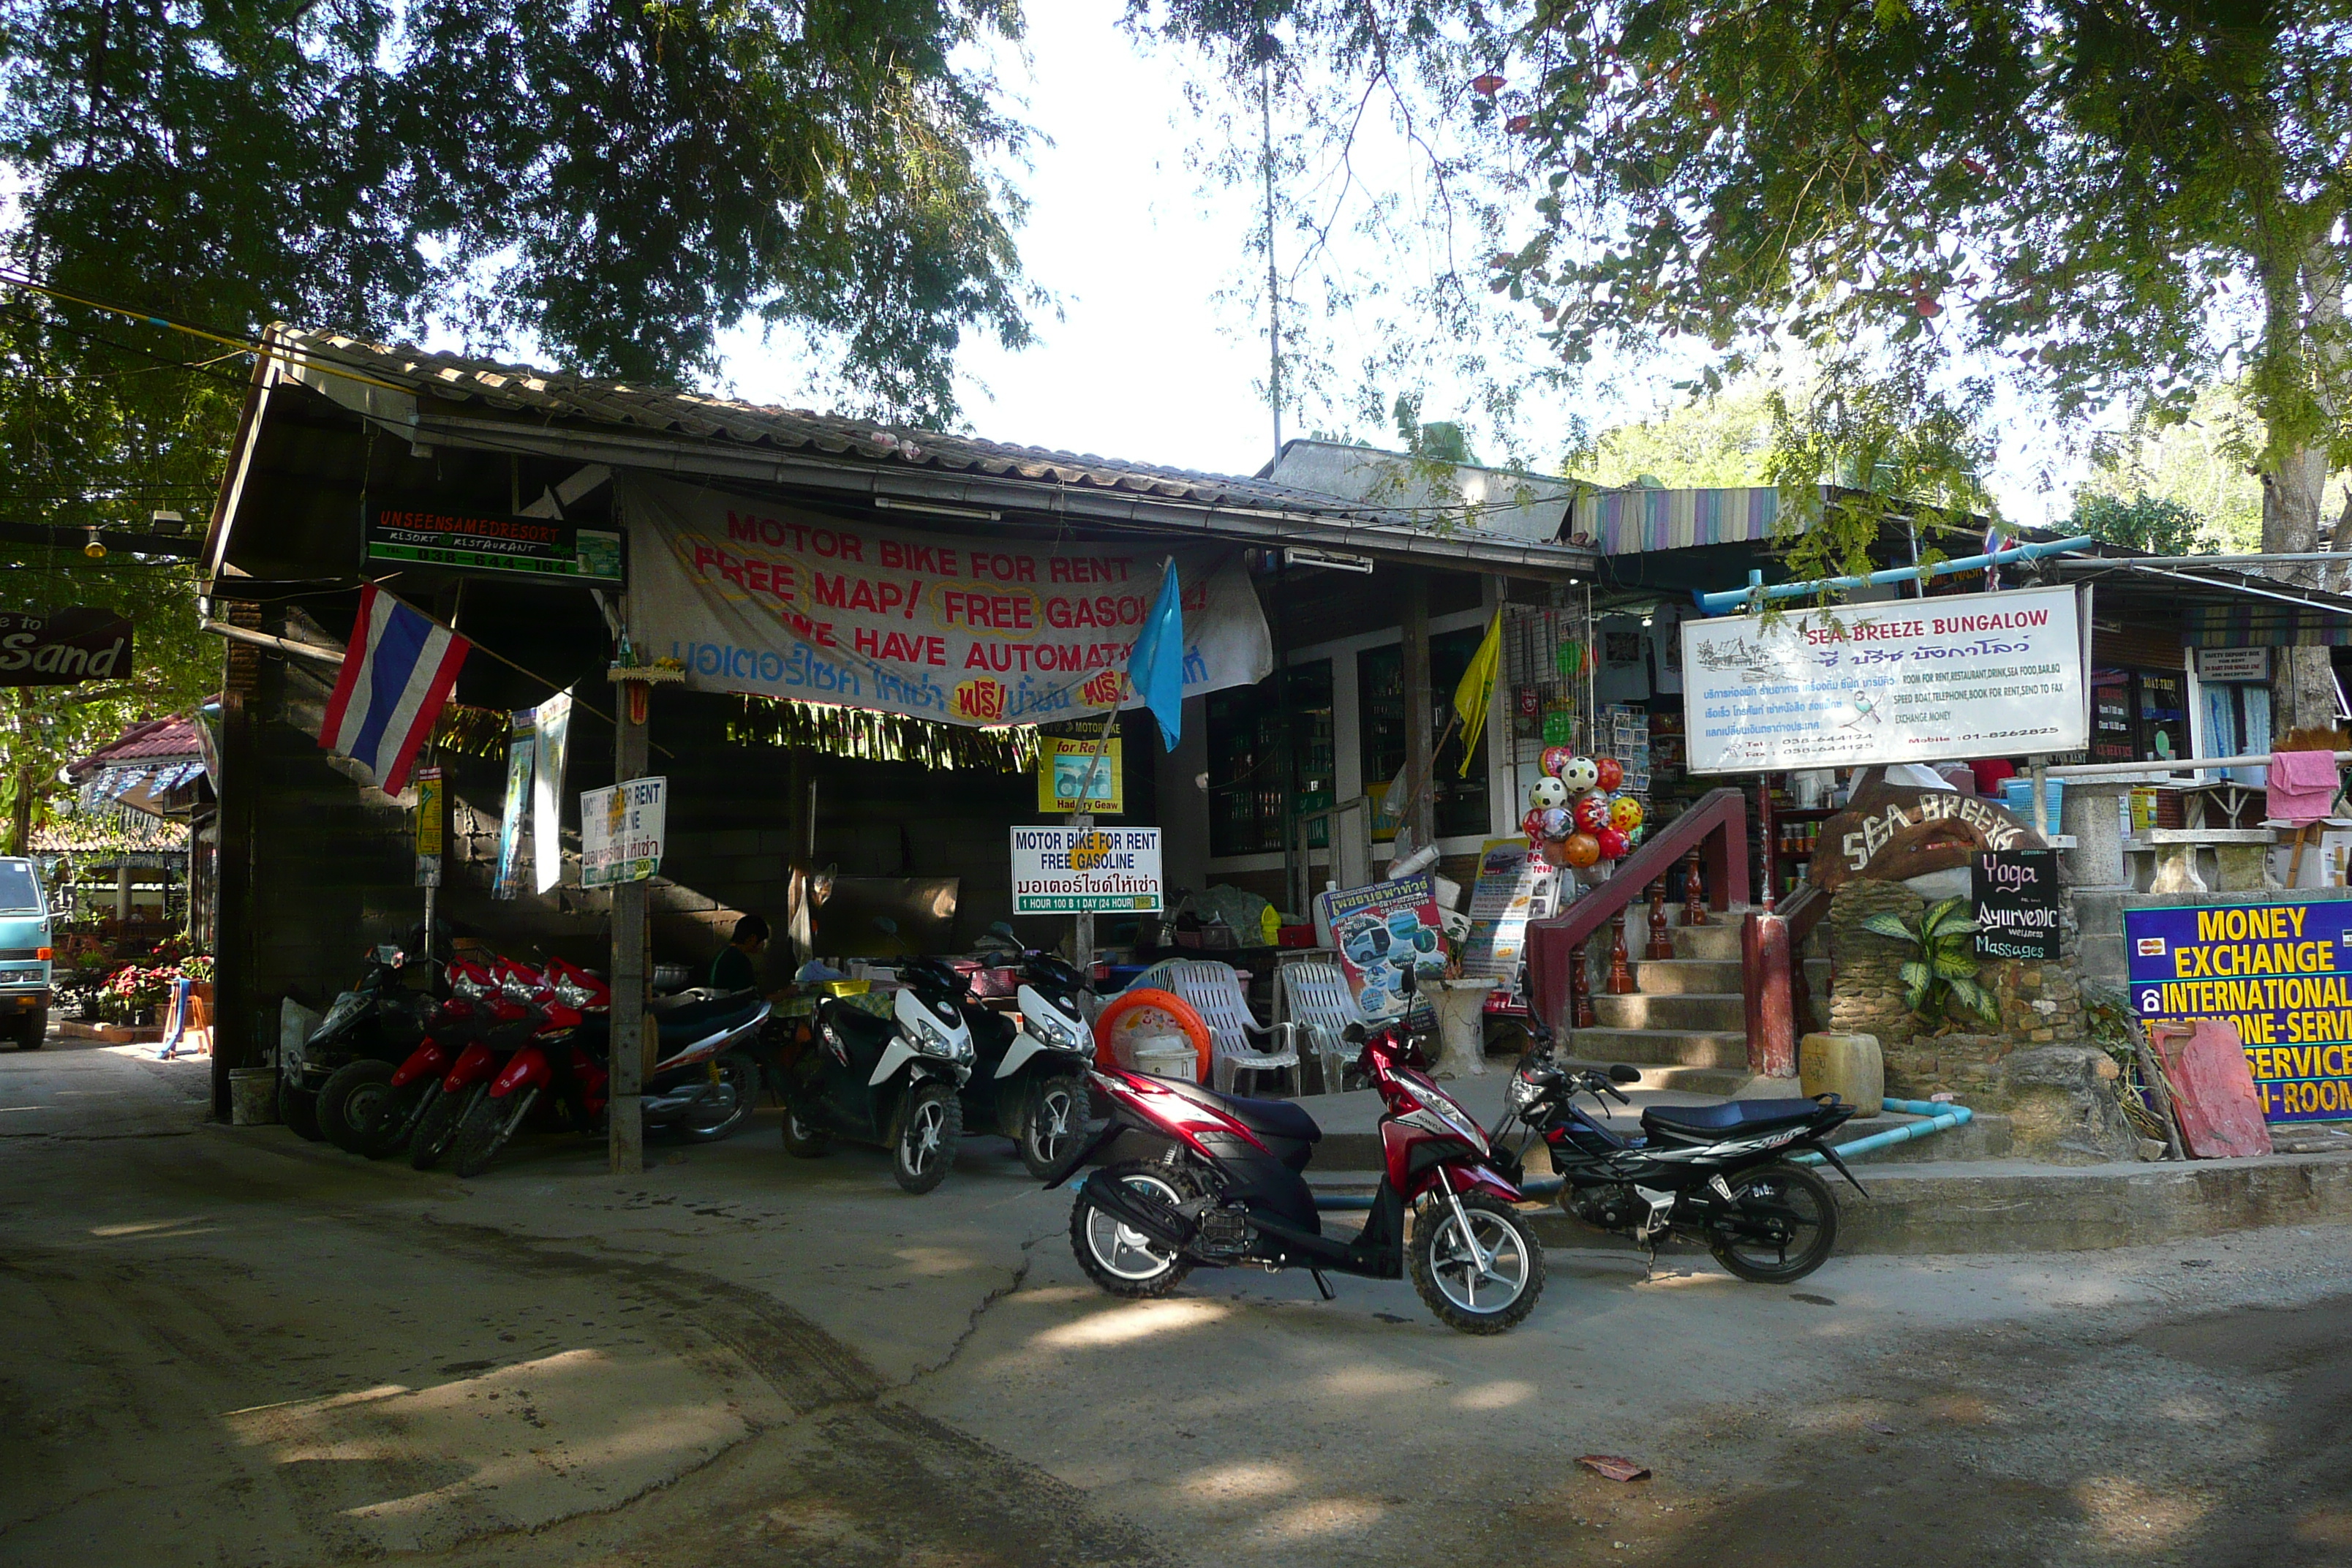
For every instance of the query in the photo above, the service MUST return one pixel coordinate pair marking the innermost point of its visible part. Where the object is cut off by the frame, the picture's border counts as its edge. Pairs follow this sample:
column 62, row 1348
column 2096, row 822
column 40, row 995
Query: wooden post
column 245, row 1025
column 1661, row 945
column 1694, row 892
column 627, row 1064
column 1580, row 992
column 1771, row 1011
column 1420, row 753
column 1621, row 976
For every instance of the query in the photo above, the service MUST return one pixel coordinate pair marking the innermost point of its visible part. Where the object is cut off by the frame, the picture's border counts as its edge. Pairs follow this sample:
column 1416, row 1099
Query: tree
column 1721, row 440
column 2204, row 462
column 620, row 181
column 2153, row 523
column 2117, row 203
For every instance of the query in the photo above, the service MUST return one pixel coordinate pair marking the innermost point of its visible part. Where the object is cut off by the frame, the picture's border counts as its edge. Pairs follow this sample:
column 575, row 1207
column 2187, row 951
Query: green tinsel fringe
column 883, row 737
column 471, row 732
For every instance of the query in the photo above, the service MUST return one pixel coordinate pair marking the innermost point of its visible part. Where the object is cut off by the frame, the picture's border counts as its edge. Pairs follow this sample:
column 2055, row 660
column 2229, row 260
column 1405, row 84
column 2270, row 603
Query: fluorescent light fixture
column 1332, row 560
column 939, row 509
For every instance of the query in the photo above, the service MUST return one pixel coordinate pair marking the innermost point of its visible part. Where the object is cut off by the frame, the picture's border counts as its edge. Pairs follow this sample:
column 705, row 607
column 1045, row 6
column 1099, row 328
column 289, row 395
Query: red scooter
column 1228, row 1187
column 510, row 1005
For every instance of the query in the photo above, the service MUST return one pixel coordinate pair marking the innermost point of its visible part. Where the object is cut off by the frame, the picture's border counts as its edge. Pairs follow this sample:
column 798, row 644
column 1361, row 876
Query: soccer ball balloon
column 1546, row 793
column 1612, row 771
column 1580, row 774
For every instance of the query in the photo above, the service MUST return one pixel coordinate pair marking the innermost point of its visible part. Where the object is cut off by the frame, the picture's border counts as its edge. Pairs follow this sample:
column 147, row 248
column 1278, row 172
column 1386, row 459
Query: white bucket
column 252, row 1096
column 1168, row 1056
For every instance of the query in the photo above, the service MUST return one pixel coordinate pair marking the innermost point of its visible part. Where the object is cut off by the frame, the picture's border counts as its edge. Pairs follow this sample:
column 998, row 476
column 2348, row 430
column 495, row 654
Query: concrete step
column 1719, row 941
column 1982, row 1137
column 1662, row 1047
column 1724, row 1082
column 1687, row 977
column 1704, row 1010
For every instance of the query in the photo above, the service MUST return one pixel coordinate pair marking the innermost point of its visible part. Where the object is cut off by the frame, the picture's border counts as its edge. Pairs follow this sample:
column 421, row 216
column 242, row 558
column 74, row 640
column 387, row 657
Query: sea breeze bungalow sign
column 974, row 629
column 2282, row 973
column 1975, row 675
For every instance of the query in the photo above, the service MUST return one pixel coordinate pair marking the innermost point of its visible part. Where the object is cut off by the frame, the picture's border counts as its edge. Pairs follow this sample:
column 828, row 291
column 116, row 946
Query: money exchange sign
column 2281, row 972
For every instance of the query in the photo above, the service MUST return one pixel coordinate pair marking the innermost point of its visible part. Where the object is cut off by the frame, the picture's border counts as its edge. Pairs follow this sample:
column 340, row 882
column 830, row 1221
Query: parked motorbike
column 888, row 1081
column 704, row 1084
column 1028, row 1073
column 368, row 1099
column 490, row 1012
column 1228, row 1187
column 1715, row 1174
column 380, row 1018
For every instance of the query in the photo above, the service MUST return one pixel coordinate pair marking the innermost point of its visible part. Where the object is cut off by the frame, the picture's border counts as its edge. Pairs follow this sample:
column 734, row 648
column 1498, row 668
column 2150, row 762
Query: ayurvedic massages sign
column 1919, row 680
column 964, row 629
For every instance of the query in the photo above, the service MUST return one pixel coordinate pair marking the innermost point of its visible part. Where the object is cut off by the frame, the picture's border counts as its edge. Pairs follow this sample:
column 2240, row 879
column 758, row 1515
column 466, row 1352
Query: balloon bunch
column 1574, row 813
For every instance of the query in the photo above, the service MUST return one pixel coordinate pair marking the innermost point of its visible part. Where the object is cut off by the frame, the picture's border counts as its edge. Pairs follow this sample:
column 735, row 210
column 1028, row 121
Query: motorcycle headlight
column 1058, row 1033
column 1522, row 1094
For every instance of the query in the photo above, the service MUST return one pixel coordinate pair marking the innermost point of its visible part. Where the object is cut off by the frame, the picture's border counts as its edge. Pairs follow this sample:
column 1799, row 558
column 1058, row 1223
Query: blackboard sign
column 2016, row 898
column 493, row 541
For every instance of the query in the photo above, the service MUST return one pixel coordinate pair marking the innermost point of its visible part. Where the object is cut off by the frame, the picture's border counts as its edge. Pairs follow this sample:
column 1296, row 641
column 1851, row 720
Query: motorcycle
column 704, row 1084
column 888, row 1081
column 503, row 1009
column 380, row 1018
column 1028, row 1073
column 1228, row 1188
column 370, row 1106
column 1715, row 1174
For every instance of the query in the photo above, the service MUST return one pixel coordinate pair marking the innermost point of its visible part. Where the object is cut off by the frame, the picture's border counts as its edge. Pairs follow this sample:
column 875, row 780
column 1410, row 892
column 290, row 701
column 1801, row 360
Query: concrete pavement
column 233, row 1347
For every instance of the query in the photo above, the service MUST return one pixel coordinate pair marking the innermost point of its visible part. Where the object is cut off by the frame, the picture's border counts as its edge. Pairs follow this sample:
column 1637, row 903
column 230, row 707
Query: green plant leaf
column 1889, row 925
column 1979, row 1000
column 1956, row 965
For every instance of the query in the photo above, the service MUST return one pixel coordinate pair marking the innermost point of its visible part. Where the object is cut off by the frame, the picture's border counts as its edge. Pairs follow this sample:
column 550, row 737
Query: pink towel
column 2302, row 786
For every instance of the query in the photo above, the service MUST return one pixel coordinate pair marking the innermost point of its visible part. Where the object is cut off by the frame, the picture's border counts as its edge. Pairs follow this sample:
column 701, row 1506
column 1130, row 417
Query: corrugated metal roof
column 523, row 388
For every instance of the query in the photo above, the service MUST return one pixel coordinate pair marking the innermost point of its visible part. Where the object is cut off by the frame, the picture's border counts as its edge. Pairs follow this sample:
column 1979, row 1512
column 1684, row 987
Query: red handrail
column 1716, row 825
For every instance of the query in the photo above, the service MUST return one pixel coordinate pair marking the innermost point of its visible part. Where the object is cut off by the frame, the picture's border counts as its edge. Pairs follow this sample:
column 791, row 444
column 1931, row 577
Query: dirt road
column 230, row 1347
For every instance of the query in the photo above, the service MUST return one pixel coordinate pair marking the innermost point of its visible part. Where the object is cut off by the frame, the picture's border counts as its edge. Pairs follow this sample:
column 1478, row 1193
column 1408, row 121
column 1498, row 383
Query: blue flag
column 1155, row 668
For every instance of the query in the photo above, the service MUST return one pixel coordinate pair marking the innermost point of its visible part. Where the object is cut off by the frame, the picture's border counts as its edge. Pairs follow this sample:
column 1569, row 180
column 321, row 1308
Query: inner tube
column 1179, row 1011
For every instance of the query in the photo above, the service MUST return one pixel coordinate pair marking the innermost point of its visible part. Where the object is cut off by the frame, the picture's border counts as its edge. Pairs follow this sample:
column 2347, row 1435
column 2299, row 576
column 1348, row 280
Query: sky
column 1142, row 361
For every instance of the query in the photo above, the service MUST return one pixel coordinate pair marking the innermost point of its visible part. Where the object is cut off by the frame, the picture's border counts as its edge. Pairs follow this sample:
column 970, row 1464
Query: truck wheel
column 35, row 1028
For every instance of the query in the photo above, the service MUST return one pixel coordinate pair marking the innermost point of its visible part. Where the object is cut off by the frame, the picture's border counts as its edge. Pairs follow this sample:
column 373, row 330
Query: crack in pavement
column 972, row 1327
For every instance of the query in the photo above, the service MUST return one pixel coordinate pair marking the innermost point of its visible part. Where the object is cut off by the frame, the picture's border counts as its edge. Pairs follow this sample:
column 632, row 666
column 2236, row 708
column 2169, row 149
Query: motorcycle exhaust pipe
column 1129, row 1207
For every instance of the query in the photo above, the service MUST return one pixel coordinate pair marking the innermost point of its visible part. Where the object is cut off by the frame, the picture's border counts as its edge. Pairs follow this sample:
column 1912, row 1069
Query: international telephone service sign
column 2281, row 973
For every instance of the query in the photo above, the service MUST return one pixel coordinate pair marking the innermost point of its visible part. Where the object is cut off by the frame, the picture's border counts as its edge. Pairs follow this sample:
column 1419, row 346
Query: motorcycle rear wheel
column 1791, row 1197
column 439, row 1128
column 1050, row 1123
column 738, row 1076
column 1125, row 1262
column 1449, row 1273
column 348, row 1096
column 923, row 1145
column 803, row 1140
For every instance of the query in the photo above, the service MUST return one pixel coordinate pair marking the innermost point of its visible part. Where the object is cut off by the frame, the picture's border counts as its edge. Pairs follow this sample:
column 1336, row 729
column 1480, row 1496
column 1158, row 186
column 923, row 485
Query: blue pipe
column 1732, row 600
column 1939, row 1115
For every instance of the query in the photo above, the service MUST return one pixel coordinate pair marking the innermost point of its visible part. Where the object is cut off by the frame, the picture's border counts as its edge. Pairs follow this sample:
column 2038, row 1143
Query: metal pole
column 1272, row 276
column 1732, row 601
column 628, row 1018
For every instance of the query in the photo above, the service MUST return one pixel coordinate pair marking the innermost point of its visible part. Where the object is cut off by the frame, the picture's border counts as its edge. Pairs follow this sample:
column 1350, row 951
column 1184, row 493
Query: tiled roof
column 455, row 378
column 157, row 737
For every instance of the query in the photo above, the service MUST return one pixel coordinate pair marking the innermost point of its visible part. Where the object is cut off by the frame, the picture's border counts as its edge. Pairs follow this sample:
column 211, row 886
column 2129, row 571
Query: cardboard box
column 2327, row 854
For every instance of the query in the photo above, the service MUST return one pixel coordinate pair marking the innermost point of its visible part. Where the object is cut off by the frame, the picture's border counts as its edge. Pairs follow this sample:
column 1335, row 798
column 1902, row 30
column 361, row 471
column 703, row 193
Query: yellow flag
column 1472, row 698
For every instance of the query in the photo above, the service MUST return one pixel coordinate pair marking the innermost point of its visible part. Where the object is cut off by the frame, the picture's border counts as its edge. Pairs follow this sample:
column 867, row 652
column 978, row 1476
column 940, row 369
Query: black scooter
column 380, row 1018
column 888, row 1081
column 1717, row 1174
column 1028, row 1074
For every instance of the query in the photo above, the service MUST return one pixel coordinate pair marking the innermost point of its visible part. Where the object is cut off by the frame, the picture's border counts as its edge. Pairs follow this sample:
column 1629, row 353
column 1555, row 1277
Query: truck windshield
column 20, row 893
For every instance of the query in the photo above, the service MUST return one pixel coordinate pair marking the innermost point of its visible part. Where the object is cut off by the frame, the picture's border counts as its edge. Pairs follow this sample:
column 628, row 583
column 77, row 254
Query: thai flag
column 397, row 675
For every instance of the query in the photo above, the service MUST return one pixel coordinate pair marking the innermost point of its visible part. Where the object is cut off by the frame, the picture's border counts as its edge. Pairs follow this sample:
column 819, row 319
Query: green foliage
column 620, row 180
column 2153, row 523
column 1942, row 968
column 1716, row 441
column 2203, row 460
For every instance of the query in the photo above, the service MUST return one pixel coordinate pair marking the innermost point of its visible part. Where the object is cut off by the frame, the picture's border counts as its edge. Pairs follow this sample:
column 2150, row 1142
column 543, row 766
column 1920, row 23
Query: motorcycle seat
column 1274, row 1118
column 1732, row 1115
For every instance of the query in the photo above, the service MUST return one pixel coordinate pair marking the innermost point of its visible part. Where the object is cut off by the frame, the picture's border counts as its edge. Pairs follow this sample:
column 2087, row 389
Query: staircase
column 1686, row 1025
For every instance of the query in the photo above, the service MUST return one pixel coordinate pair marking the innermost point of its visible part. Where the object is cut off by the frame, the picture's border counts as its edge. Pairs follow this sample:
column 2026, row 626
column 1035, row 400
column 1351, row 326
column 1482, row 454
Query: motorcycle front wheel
column 1481, row 1280
column 1119, row 1258
column 384, row 1123
column 804, row 1139
column 350, row 1098
column 1782, row 1226
column 484, row 1128
column 931, row 1126
column 1050, row 1124
column 439, row 1128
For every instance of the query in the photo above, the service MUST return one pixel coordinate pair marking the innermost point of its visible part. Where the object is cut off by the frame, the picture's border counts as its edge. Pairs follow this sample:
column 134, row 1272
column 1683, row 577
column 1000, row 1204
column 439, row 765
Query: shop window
column 1380, row 686
column 2140, row 716
column 1256, row 773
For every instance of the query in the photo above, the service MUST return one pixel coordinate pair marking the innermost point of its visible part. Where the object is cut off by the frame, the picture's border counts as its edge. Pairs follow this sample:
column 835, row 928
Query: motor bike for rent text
column 888, row 1081
column 1228, row 1188
column 1028, row 1074
column 380, row 1018
column 1715, row 1174
column 703, row 1086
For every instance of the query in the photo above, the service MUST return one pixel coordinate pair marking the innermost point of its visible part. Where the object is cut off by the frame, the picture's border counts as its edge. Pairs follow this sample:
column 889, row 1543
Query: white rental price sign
column 621, row 832
column 1919, row 680
column 1078, row 870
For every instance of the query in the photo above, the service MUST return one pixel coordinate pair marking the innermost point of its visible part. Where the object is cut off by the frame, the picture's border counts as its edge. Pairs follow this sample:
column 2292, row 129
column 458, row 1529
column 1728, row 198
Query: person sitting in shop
column 735, row 968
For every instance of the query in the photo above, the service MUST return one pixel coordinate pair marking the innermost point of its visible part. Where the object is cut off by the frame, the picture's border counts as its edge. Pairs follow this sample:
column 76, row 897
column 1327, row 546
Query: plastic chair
column 1315, row 996
column 1214, row 990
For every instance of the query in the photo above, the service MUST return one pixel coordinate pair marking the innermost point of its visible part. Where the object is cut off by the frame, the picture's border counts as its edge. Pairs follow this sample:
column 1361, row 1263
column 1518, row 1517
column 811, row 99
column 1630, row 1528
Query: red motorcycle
column 1228, row 1187
column 510, row 1004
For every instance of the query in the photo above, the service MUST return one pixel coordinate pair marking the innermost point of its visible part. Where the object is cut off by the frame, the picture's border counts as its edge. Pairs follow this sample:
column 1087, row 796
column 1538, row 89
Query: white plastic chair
column 1315, row 997
column 1214, row 990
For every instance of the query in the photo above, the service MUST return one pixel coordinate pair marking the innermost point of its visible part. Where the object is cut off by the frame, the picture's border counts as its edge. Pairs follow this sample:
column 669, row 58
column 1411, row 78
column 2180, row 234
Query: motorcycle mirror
column 1408, row 979
column 999, row 928
column 1621, row 1073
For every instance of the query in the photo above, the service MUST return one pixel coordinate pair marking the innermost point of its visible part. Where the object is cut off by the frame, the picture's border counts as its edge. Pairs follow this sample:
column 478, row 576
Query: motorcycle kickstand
column 1324, row 1285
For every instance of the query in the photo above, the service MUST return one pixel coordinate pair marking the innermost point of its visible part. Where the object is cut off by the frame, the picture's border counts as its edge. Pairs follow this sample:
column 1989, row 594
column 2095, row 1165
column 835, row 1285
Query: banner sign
column 622, row 832
column 552, row 728
column 1973, row 675
column 1502, row 902
column 401, row 534
column 522, row 751
column 2015, row 896
column 959, row 629
column 1064, row 768
column 62, row 647
column 429, row 812
column 1379, row 930
column 1072, row 870
column 2281, row 973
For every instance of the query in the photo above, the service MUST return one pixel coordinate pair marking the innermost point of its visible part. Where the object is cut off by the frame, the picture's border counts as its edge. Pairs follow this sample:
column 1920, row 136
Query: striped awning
column 1632, row 521
column 2261, row 624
